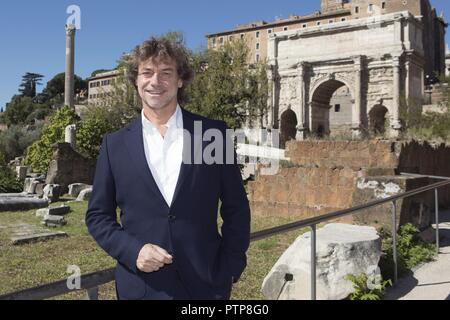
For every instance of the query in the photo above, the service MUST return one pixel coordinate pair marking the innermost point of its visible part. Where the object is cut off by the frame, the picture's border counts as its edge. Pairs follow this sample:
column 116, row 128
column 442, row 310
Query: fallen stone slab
column 54, row 211
column 54, row 221
column 17, row 195
column 341, row 250
column 23, row 233
column 76, row 188
column 21, row 203
column 37, row 237
column 85, row 195
column 40, row 189
column 52, row 192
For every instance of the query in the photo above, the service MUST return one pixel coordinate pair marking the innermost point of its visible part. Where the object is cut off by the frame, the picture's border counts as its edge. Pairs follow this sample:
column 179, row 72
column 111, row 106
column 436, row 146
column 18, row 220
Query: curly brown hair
column 161, row 47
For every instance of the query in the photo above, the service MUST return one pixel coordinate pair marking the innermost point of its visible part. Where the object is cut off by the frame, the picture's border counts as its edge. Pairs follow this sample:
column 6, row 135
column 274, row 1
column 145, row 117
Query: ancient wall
column 325, row 176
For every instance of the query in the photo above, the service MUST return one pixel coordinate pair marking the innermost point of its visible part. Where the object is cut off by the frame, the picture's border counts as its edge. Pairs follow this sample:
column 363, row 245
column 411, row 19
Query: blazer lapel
column 134, row 143
column 187, row 166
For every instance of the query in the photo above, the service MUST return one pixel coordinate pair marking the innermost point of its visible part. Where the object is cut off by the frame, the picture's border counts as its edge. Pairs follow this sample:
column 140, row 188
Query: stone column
column 70, row 135
column 407, row 78
column 70, row 66
column 270, row 102
column 301, row 109
column 395, row 118
column 272, row 80
column 356, row 114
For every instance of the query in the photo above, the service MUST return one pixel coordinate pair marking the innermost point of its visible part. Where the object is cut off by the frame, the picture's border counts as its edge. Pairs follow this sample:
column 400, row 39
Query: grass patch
column 34, row 264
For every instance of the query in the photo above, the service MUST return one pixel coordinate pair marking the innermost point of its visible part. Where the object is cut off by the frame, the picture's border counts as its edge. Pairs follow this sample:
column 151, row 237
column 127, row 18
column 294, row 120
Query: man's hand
column 152, row 258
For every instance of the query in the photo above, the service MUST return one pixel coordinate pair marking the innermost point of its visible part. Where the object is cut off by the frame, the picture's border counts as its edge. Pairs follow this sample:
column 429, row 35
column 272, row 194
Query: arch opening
column 331, row 109
column 378, row 119
column 288, row 127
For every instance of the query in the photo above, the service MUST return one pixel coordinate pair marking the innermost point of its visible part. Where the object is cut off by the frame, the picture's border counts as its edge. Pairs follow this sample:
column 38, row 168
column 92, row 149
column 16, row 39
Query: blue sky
column 32, row 36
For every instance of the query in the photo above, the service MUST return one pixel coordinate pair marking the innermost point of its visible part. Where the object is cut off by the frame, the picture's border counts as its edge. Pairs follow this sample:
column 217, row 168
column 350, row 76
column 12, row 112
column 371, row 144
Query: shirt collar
column 176, row 121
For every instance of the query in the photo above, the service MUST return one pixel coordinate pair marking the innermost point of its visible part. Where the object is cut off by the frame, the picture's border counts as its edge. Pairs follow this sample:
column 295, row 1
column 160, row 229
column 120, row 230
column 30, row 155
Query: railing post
column 436, row 195
column 394, row 239
column 92, row 294
column 313, row 263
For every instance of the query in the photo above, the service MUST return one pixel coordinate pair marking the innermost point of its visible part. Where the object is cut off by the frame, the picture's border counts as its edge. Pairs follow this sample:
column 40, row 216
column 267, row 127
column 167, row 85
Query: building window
column 331, row 21
column 214, row 42
column 221, row 40
column 257, row 34
column 257, row 57
column 318, row 23
column 356, row 9
column 337, row 108
column 343, row 19
column 304, row 25
column 370, row 9
column 383, row 5
column 269, row 31
column 285, row 29
column 230, row 38
column 257, row 46
column 242, row 36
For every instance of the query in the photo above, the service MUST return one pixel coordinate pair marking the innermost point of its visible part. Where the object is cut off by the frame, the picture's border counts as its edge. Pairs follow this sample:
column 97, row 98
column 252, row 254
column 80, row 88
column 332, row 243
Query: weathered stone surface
column 37, row 237
column 21, row 203
column 68, row 167
column 323, row 176
column 21, row 172
column 31, row 183
column 55, row 211
column 417, row 210
column 17, row 195
column 76, row 188
column 341, row 250
column 52, row 192
column 52, row 221
column 70, row 135
column 25, row 233
column 40, row 189
column 85, row 195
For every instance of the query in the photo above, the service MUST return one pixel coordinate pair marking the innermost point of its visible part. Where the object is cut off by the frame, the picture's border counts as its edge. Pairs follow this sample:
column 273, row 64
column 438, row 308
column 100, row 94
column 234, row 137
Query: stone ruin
column 341, row 250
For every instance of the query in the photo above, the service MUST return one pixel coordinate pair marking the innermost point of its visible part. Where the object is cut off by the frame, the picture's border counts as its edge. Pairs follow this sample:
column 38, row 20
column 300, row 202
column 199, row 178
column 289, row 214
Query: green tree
column 29, row 83
column 96, row 72
column 40, row 153
column 18, row 110
column 56, row 86
column 16, row 139
column 226, row 87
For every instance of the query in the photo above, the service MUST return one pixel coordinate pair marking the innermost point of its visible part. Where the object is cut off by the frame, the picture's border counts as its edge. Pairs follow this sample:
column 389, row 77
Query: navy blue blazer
column 204, row 261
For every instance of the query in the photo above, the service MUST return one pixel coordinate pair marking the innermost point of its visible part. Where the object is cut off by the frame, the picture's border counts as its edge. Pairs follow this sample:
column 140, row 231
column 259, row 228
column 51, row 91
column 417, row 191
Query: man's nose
column 155, row 79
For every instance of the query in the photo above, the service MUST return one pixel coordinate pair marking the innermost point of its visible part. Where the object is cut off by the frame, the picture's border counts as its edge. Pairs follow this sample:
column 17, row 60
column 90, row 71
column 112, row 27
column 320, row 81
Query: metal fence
column 91, row 282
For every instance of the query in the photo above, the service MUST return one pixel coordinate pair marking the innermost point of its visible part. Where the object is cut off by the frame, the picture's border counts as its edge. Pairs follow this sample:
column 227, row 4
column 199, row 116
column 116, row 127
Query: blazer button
column 172, row 218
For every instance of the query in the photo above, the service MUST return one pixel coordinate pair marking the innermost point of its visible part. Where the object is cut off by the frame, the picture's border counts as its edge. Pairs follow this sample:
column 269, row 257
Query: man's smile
column 155, row 92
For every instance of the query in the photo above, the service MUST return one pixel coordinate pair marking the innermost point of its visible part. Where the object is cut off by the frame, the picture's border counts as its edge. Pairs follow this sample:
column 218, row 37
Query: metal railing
column 91, row 282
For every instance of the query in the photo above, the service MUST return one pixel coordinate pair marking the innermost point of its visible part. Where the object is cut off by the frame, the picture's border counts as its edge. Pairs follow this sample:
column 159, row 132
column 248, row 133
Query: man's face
column 158, row 83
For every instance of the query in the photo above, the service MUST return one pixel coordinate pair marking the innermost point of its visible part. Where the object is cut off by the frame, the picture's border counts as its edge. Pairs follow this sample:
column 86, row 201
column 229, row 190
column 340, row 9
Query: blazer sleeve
column 101, row 216
column 235, row 212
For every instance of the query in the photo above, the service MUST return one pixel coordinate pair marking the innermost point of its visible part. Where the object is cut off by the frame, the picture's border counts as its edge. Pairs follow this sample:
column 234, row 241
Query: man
column 167, row 243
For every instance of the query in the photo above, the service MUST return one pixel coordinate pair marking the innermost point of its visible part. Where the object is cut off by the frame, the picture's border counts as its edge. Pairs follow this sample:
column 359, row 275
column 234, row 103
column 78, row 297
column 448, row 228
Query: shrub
column 411, row 251
column 90, row 133
column 17, row 139
column 363, row 291
column 40, row 153
column 8, row 181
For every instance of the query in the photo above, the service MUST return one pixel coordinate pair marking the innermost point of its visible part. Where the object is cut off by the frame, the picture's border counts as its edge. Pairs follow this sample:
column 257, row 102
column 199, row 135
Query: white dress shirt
column 164, row 155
